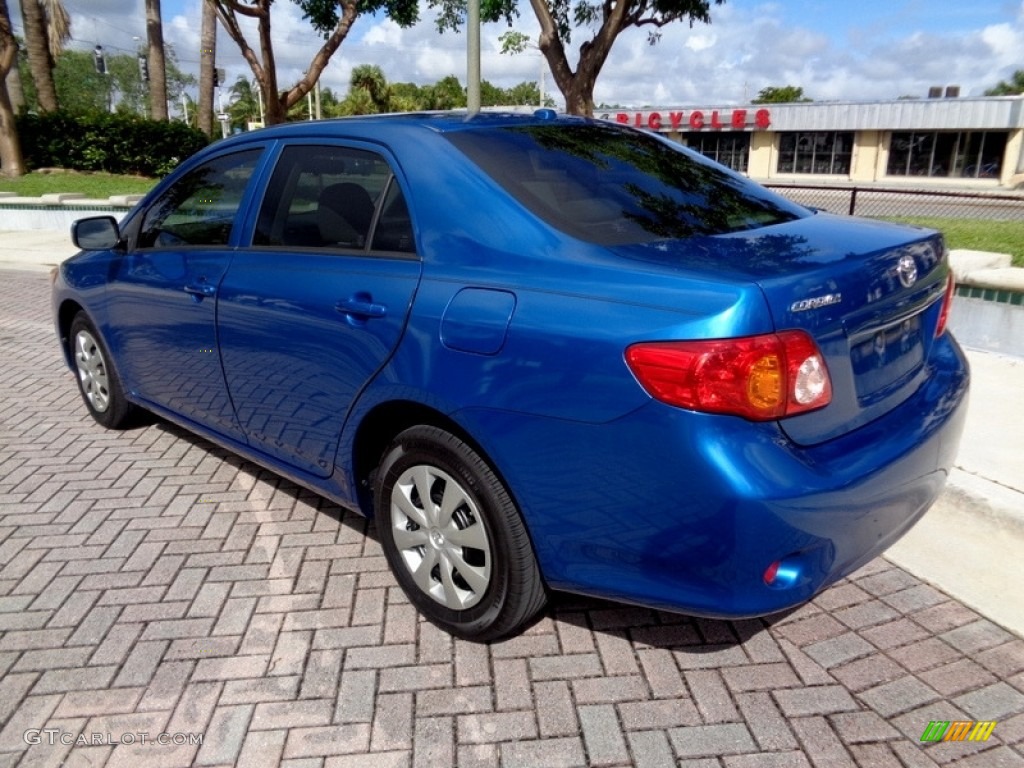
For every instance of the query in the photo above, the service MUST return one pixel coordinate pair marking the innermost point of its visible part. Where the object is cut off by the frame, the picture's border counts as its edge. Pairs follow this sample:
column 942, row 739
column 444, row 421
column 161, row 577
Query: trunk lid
column 868, row 292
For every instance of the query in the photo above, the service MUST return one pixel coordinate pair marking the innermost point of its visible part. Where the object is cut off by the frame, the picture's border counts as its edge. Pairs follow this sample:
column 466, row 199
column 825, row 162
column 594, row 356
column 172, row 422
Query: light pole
column 473, row 58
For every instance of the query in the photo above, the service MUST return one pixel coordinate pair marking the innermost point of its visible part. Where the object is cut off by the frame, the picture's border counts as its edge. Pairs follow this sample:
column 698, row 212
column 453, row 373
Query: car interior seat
column 344, row 213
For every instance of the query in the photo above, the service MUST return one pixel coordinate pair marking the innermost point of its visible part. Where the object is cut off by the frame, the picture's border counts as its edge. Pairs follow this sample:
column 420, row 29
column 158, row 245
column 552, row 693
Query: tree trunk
column 577, row 87
column 579, row 97
column 207, row 63
column 11, row 161
column 39, row 60
column 157, row 65
column 14, row 90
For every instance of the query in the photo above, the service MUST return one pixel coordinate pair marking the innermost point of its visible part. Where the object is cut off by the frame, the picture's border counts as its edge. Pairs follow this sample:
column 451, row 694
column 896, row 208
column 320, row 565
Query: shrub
column 115, row 143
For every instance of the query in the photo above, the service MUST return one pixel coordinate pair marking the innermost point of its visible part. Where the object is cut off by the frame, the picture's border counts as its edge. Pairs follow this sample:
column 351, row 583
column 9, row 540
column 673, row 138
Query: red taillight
column 760, row 378
column 947, row 302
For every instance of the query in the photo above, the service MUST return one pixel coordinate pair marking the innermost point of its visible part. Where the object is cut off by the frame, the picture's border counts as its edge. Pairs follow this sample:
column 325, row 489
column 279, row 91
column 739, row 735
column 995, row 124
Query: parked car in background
column 544, row 353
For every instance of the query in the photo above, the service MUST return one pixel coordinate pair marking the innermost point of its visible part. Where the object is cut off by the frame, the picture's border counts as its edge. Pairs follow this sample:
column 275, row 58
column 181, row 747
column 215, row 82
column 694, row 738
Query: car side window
column 334, row 197
column 200, row 208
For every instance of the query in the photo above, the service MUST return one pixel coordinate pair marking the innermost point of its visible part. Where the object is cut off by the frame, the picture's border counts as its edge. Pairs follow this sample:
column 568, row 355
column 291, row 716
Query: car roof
column 394, row 125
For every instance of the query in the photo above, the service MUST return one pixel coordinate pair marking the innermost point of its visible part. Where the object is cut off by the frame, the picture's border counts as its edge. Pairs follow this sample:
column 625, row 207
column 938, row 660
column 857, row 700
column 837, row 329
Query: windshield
column 615, row 186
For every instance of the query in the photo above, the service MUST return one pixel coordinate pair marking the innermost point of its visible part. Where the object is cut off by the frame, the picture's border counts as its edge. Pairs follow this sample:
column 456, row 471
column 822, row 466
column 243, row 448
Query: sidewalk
column 36, row 249
column 970, row 545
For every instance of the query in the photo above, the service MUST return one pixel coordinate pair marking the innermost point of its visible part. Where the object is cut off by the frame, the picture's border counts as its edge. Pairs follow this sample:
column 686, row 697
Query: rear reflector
column 761, row 378
column 947, row 302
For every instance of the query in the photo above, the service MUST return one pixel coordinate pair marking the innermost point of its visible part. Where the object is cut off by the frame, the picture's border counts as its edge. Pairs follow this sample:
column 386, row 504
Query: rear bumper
column 684, row 511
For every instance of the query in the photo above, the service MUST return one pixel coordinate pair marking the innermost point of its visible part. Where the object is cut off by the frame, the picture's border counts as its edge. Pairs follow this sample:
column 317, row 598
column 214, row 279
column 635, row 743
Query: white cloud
column 746, row 48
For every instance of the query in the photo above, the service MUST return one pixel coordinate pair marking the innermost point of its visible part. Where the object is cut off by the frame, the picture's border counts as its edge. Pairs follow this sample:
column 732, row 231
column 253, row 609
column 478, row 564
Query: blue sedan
column 543, row 353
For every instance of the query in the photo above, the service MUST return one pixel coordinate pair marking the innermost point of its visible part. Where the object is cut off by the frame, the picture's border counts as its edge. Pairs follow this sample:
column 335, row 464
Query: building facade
column 964, row 141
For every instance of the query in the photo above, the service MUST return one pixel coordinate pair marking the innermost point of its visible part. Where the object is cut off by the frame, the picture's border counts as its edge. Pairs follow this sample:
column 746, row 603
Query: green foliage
column 323, row 14
column 786, row 94
column 115, row 143
column 446, row 93
column 82, row 90
column 369, row 78
column 568, row 14
column 1012, row 87
column 514, row 41
column 245, row 105
column 370, row 93
column 526, row 93
column 451, row 14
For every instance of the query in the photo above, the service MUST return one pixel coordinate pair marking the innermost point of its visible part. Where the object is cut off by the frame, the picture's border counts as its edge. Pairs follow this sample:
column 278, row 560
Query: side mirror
column 97, row 233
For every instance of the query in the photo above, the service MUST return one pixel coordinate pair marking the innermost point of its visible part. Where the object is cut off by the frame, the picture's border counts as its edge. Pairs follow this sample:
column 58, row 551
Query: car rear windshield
column 614, row 186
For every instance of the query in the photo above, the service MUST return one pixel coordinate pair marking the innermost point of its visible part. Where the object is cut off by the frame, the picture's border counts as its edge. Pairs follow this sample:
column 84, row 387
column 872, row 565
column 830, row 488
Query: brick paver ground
column 151, row 583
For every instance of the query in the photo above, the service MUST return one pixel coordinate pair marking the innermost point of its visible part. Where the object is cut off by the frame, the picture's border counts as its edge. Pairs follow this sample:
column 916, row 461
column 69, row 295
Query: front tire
column 454, row 538
column 97, row 378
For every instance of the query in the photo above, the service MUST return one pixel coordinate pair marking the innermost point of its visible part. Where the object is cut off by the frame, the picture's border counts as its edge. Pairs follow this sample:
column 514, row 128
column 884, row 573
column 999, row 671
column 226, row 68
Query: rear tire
column 454, row 538
column 97, row 378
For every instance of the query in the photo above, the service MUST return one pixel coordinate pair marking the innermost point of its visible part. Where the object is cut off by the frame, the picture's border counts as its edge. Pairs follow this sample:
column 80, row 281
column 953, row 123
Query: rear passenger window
column 334, row 197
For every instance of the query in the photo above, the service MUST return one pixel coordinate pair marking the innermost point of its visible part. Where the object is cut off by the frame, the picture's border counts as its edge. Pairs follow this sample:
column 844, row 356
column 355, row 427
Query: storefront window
column 730, row 149
column 819, row 152
column 965, row 154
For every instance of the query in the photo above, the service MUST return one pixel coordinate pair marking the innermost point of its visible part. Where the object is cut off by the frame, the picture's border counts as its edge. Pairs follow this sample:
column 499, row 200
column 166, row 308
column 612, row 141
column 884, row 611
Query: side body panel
column 295, row 349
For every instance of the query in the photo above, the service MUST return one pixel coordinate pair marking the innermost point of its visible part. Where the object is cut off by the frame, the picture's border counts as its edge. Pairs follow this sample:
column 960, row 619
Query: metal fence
column 906, row 203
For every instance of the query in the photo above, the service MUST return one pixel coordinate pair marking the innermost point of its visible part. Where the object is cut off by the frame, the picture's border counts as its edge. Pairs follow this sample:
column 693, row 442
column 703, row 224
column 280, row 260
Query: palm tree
column 370, row 78
column 11, row 162
column 1008, row 88
column 47, row 28
column 157, row 64
column 245, row 104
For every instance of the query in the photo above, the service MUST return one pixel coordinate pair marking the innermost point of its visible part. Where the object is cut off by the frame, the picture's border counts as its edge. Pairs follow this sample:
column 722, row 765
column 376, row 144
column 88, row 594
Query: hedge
column 115, row 143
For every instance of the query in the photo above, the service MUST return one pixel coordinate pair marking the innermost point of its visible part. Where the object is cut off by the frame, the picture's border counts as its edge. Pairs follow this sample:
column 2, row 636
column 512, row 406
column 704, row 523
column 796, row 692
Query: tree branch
column 350, row 10
column 225, row 12
column 550, row 44
column 258, row 10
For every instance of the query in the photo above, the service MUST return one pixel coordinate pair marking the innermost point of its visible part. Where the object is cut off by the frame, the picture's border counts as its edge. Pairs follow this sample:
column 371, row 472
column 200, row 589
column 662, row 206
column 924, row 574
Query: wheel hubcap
column 92, row 371
column 440, row 536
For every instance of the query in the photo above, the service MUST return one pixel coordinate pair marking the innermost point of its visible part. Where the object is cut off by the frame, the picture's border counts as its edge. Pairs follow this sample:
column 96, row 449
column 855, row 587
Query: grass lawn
column 92, row 185
column 977, row 234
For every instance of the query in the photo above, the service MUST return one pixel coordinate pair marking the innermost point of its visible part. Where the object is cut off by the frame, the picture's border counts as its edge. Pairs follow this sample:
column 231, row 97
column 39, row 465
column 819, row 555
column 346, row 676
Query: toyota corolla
column 543, row 353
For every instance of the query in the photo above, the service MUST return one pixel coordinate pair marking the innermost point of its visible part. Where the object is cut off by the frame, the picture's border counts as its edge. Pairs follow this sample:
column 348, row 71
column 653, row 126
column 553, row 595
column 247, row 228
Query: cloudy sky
column 871, row 49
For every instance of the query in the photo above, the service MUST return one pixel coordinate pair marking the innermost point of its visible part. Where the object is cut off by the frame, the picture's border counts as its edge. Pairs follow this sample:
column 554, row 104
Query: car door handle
column 359, row 307
column 201, row 289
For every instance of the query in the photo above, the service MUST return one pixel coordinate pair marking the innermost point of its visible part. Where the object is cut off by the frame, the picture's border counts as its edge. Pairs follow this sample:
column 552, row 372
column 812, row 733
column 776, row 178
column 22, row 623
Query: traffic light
column 143, row 68
column 218, row 77
column 98, row 61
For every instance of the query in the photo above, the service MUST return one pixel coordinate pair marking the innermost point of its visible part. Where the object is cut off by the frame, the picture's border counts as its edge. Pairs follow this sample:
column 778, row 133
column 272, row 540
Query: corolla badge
column 816, row 302
column 906, row 270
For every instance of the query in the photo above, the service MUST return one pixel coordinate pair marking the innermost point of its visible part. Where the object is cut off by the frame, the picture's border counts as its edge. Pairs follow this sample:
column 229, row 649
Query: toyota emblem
column 906, row 269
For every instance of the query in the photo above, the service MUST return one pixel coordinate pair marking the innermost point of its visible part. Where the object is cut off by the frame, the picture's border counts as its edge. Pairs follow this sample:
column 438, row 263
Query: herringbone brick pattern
column 152, row 584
